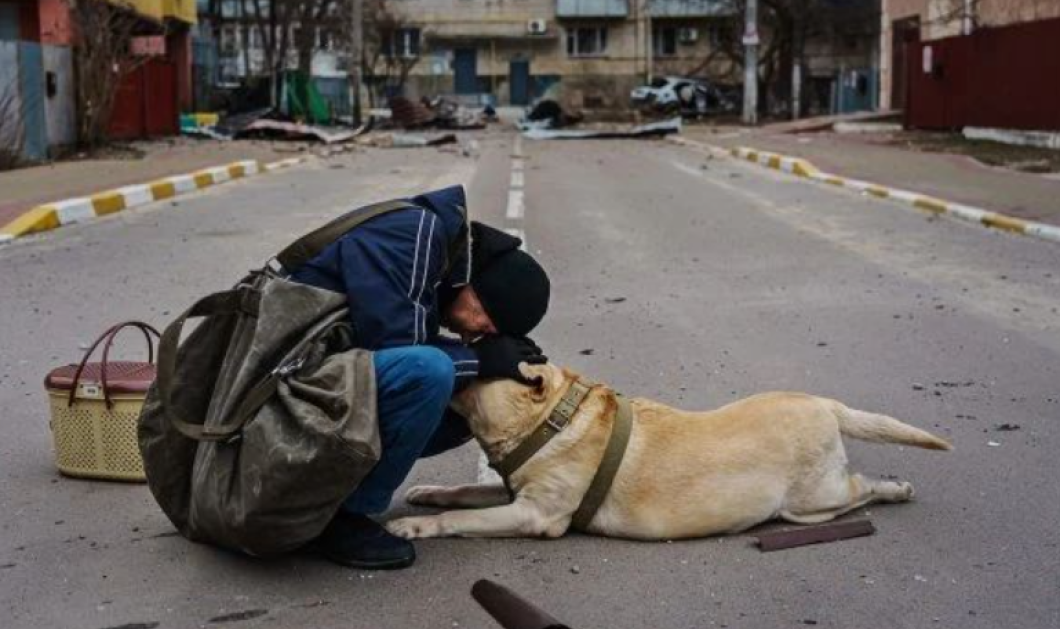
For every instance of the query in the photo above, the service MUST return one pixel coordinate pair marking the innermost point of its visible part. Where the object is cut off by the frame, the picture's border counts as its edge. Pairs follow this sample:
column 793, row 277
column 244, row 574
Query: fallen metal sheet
column 832, row 532
column 406, row 140
column 232, row 124
column 205, row 132
column 655, row 129
column 294, row 130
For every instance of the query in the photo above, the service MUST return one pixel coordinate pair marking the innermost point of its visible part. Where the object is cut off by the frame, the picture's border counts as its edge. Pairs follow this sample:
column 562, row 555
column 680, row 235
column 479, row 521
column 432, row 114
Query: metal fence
column 1005, row 77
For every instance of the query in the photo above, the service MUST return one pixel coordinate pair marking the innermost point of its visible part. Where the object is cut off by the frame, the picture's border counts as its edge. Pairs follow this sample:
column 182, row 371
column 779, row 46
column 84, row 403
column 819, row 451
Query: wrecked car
column 670, row 95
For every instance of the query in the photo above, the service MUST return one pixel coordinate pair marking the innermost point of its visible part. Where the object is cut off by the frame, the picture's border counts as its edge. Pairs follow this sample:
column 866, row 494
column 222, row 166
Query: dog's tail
column 883, row 429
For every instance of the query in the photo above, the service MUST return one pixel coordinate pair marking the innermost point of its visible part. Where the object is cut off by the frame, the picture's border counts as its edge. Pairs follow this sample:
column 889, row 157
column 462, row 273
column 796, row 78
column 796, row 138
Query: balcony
column 689, row 8
column 592, row 8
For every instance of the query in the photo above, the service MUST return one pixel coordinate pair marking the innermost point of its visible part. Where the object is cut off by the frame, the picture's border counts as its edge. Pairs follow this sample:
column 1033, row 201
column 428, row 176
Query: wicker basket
column 95, row 408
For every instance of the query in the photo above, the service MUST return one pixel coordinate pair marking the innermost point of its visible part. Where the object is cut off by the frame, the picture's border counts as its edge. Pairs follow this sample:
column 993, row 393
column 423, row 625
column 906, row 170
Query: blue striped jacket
column 392, row 269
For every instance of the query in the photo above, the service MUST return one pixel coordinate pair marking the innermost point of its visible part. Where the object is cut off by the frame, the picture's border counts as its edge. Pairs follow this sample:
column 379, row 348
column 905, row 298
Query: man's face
column 467, row 317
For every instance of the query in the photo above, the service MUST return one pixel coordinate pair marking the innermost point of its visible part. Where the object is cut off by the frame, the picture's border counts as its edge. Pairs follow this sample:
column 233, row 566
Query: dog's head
column 499, row 410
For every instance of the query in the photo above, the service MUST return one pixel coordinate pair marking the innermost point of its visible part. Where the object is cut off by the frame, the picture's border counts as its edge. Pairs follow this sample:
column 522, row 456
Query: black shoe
column 358, row 541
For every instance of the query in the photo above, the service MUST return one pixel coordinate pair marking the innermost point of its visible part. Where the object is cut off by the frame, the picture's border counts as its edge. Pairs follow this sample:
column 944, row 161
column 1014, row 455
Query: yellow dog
column 684, row 474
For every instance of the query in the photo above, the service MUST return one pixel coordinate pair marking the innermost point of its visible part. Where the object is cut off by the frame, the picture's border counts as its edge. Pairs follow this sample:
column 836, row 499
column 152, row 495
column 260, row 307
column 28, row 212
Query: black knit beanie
column 511, row 285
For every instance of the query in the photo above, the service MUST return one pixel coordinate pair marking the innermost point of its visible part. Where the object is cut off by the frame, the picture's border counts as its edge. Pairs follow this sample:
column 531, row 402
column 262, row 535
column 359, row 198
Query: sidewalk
column 951, row 177
column 25, row 188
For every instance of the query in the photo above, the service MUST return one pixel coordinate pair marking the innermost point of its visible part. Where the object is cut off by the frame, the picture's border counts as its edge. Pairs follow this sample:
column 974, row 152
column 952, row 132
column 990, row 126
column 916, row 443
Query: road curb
column 57, row 214
column 932, row 205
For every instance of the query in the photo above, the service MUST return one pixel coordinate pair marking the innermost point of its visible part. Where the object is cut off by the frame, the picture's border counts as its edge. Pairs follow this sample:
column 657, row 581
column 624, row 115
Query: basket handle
column 108, row 336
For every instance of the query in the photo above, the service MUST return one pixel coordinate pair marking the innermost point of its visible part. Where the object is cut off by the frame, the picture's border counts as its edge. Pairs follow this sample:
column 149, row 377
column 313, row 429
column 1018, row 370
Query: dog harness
column 555, row 423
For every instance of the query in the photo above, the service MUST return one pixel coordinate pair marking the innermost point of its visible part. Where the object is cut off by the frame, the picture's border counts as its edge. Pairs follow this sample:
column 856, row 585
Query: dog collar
column 554, row 424
column 557, row 420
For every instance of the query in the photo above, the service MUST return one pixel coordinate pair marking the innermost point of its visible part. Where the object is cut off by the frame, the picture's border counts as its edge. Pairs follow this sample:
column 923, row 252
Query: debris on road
column 408, row 140
column 298, row 131
column 439, row 113
column 820, row 534
column 1007, row 427
column 547, row 114
column 993, row 444
column 409, row 114
column 652, row 130
column 509, row 609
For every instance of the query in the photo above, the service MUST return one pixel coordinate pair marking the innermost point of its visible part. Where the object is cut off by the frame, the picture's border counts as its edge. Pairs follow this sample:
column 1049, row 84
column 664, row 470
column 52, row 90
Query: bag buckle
column 285, row 370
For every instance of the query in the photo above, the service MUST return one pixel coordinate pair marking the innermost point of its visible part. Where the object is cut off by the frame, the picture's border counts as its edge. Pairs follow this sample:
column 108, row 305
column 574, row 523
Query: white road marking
column 486, row 475
column 516, row 210
column 695, row 172
column 516, row 204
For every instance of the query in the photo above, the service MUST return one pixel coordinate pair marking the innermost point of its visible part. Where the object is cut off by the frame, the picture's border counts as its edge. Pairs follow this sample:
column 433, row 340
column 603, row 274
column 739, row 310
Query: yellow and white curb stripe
column 82, row 209
column 802, row 168
column 793, row 165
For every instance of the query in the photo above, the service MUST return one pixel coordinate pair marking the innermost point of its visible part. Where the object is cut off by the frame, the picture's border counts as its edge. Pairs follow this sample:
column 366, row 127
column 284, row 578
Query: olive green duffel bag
column 263, row 420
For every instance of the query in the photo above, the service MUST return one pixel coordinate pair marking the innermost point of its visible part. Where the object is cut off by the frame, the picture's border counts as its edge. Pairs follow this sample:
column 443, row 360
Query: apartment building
column 587, row 53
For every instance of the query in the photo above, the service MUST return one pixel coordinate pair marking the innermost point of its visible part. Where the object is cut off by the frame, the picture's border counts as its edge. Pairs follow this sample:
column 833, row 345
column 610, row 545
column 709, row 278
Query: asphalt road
column 689, row 280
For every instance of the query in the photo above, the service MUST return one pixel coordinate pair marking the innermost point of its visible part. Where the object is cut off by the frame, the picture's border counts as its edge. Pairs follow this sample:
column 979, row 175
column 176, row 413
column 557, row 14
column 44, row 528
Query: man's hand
column 499, row 357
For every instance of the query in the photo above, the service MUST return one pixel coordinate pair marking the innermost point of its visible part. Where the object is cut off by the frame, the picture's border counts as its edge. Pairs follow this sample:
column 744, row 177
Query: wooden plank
column 819, row 534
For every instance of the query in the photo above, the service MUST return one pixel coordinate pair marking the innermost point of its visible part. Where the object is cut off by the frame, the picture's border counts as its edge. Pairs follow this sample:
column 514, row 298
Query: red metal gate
column 146, row 102
column 997, row 77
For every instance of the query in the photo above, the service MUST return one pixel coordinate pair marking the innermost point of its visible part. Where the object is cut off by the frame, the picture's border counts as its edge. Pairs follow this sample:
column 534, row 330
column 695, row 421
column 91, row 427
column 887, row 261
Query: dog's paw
column 424, row 495
column 414, row 527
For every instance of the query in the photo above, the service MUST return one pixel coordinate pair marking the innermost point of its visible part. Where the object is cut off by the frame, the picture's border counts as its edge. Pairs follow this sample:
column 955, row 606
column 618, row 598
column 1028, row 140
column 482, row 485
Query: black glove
column 499, row 357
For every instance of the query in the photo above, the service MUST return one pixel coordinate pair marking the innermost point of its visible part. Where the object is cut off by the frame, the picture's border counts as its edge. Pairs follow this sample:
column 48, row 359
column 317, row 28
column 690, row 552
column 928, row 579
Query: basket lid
column 122, row 376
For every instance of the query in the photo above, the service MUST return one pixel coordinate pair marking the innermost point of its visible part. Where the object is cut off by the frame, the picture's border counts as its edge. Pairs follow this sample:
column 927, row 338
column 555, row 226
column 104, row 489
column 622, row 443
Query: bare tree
column 312, row 18
column 11, row 130
column 786, row 28
column 103, row 32
column 386, row 63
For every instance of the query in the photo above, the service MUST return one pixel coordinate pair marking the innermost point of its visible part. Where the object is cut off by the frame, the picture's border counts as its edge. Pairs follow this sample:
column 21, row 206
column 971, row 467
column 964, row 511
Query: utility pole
column 750, row 64
column 353, row 71
column 649, row 39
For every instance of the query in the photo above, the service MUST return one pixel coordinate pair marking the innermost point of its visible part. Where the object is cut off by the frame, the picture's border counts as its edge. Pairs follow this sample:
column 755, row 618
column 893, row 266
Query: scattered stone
column 615, row 300
column 993, row 444
column 575, row 569
column 917, row 386
column 1007, row 427
column 586, row 352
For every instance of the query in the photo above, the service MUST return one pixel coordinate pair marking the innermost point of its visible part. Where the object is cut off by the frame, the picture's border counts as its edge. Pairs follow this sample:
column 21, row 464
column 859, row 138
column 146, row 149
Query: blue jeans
column 414, row 386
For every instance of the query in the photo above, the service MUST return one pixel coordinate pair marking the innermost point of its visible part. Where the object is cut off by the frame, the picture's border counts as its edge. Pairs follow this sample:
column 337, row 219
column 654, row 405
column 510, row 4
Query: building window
column 716, row 35
column 590, row 41
column 229, row 40
column 403, row 43
column 664, row 41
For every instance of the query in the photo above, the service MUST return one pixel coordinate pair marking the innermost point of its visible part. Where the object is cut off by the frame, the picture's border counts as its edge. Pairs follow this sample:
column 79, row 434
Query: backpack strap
column 312, row 244
column 244, row 300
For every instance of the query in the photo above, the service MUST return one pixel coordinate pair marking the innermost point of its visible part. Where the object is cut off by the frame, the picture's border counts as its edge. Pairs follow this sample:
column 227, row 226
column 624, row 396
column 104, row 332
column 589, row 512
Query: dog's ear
column 538, row 377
